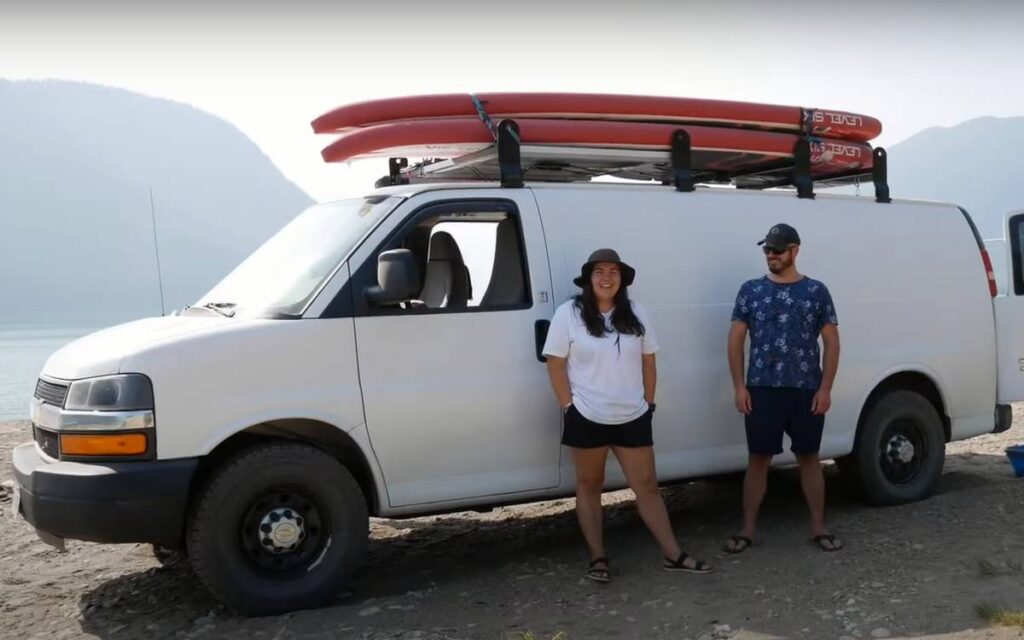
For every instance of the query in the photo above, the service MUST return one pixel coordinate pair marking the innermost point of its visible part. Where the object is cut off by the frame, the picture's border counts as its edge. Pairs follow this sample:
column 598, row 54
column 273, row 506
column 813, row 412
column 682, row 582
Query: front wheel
column 899, row 453
column 279, row 527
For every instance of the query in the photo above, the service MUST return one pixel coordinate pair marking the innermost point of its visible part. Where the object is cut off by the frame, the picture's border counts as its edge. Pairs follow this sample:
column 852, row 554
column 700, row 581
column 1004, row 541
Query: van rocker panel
column 110, row 502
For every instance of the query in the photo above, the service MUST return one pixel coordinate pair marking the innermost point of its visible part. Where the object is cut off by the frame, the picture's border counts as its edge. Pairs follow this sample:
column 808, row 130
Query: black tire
column 882, row 468
column 327, row 524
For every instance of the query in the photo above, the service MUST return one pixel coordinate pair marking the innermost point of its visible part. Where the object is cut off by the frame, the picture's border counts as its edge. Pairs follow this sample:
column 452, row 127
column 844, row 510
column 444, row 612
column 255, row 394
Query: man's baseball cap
column 780, row 236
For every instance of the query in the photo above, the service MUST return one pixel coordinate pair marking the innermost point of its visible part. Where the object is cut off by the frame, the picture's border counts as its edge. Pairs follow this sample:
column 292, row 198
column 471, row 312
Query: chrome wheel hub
column 281, row 530
column 901, row 449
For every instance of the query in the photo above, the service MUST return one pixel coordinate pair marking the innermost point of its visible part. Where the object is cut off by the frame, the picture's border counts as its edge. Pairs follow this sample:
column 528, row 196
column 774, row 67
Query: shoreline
column 13, row 425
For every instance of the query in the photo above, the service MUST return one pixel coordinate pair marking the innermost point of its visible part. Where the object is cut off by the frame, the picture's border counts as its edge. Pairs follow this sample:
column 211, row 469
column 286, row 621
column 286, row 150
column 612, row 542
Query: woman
column 600, row 350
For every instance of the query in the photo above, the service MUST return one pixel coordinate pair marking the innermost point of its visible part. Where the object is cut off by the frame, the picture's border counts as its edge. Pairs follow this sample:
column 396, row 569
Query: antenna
column 156, row 245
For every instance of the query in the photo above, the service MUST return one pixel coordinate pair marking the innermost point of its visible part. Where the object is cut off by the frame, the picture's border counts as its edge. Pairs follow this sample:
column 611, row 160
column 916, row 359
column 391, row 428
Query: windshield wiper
column 225, row 309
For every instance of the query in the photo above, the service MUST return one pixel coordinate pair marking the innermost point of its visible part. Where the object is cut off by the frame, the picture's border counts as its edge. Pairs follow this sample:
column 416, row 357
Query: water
column 23, row 351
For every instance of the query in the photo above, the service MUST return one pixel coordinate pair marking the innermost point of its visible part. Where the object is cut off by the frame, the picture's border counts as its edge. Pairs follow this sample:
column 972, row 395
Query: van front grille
column 51, row 393
column 48, row 442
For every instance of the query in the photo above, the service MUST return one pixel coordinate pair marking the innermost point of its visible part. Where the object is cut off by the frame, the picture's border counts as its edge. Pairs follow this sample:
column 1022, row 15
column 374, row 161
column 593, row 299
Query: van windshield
column 282, row 276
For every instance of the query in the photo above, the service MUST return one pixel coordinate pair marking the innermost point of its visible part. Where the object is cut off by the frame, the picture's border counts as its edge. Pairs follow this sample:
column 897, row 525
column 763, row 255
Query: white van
column 380, row 356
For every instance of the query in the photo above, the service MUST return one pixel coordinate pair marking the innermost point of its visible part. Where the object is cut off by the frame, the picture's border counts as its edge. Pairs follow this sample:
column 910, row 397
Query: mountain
column 77, row 163
column 975, row 164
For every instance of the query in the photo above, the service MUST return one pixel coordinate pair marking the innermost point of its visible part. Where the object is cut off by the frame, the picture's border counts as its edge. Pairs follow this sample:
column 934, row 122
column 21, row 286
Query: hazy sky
column 271, row 67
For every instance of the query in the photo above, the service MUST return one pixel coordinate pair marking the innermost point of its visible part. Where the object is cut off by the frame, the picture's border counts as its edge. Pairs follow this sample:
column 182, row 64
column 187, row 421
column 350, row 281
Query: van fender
column 914, row 367
column 248, row 421
column 356, row 433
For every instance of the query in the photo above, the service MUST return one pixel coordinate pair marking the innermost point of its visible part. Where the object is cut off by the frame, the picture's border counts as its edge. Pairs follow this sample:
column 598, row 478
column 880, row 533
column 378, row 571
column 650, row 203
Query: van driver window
column 468, row 261
column 475, row 241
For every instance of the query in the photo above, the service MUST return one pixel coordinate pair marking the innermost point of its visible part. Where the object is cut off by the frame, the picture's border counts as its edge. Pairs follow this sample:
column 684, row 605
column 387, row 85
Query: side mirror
column 398, row 278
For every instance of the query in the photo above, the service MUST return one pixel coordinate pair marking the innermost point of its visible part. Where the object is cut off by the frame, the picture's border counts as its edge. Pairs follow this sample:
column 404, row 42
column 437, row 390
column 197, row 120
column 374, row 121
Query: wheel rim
column 284, row 530
column 902, row 451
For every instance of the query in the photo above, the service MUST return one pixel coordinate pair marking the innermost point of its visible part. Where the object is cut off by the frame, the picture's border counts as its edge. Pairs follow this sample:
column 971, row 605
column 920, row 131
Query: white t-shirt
column 606, row 373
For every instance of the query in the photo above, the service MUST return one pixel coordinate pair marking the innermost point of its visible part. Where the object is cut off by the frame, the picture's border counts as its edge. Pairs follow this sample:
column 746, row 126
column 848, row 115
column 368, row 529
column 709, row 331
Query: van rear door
column 1009, row 312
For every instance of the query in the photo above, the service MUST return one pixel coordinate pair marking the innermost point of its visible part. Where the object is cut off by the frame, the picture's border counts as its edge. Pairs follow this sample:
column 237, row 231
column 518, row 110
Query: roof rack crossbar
column 880, row 175
column 802, row 169
column 682, row 161
column 509, row 165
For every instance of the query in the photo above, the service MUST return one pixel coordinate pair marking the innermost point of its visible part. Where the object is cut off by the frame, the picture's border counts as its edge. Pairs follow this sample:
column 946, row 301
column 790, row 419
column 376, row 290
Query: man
column 785, row 389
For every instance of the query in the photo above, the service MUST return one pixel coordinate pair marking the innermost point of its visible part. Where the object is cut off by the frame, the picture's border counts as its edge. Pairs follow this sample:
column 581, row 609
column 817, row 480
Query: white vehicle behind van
column 380, row 356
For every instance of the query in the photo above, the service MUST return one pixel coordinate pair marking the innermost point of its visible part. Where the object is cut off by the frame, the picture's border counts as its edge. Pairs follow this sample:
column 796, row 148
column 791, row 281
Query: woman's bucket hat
column 605, row 255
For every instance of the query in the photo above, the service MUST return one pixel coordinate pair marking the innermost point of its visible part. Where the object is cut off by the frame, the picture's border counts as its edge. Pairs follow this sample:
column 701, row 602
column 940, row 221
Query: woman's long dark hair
column 623, row 319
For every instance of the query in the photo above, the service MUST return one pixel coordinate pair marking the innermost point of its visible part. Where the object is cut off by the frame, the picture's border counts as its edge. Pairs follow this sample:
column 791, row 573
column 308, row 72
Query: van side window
column 468, row 258
column 1017, row 252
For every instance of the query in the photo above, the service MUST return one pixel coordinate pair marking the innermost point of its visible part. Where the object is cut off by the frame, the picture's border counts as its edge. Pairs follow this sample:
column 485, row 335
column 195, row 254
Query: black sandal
column 834, row 545
column 699, row 566
column 597, row 574
column 740, row 543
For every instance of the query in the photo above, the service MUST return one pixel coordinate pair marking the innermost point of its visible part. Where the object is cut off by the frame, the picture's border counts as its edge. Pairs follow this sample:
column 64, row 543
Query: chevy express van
column 381, row 356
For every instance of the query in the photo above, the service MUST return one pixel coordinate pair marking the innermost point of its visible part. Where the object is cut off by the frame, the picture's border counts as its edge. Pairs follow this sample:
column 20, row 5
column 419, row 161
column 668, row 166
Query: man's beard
column 778, row 266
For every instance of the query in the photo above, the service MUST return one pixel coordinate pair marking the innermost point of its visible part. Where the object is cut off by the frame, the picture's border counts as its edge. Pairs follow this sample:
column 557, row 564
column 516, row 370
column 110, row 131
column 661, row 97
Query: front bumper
column 137, row 501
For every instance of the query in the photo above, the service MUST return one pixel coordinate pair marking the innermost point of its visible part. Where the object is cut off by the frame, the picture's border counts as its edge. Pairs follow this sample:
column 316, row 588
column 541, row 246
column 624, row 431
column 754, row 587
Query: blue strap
column 486, row 119
column 808, row 122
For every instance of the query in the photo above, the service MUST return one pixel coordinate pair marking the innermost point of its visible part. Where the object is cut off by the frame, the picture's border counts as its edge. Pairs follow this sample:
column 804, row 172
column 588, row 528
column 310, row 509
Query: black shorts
column 585, row 434
column 782, row 410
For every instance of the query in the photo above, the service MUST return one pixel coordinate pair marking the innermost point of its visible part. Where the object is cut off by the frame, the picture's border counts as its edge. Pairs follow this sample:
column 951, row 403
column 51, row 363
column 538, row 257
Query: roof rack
column 511, row 163
column 541, row 163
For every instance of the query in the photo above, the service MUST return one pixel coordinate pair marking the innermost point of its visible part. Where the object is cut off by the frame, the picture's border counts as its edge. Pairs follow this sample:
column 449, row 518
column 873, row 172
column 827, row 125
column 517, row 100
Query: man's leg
column 812, row 480
column 755, row 484
column 806, row 435
column 764, row 427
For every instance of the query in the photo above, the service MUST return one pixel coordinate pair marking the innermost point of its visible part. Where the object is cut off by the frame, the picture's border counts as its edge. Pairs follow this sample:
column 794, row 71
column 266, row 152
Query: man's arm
column 830, row 366
column 737, row 338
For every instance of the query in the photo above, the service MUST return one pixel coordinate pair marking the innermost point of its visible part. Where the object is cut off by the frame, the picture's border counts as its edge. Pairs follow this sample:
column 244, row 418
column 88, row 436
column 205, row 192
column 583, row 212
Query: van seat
column 446, row 281
column 506, row 286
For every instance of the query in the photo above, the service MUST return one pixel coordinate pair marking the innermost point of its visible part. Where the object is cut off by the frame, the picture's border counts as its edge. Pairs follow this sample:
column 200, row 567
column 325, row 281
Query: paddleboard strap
column 808, row 121
column 484, row 116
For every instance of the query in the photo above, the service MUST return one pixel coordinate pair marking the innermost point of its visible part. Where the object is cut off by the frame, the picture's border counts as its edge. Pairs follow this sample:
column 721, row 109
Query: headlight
column 128, row 392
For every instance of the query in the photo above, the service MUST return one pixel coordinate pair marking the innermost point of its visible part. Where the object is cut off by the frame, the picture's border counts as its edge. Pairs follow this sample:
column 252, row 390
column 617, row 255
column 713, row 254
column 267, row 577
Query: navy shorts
column 586, row 434
column 782, row 410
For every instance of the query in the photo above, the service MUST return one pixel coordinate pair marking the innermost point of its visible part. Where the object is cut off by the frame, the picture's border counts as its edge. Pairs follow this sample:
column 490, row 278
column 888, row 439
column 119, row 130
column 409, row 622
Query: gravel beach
column 918, row 570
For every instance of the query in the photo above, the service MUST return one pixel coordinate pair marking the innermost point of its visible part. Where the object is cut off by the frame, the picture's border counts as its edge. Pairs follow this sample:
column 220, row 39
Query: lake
column 23, row 351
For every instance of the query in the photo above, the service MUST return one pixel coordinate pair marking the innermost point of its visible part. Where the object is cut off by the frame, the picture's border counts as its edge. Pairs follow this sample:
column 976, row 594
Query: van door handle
column 540, row 335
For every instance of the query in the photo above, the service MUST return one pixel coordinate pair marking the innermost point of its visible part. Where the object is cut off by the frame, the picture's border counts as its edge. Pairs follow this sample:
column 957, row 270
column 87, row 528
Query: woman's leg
column 638, row 465
column 589, row 485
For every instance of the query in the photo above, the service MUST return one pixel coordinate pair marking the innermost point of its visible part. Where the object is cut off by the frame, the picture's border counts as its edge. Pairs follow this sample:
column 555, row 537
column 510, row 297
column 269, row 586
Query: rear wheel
column 279, row 527
column 900, row 451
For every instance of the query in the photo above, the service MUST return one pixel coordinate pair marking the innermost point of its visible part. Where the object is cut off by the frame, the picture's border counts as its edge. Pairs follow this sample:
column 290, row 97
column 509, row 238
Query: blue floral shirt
column 784, row 322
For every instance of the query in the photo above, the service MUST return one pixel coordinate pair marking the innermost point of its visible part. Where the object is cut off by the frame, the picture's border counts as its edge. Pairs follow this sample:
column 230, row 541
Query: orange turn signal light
column 127, row 444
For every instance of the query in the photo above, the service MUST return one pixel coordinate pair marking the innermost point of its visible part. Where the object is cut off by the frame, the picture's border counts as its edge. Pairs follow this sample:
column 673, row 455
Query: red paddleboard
column 721, row 149
column 592, row 106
